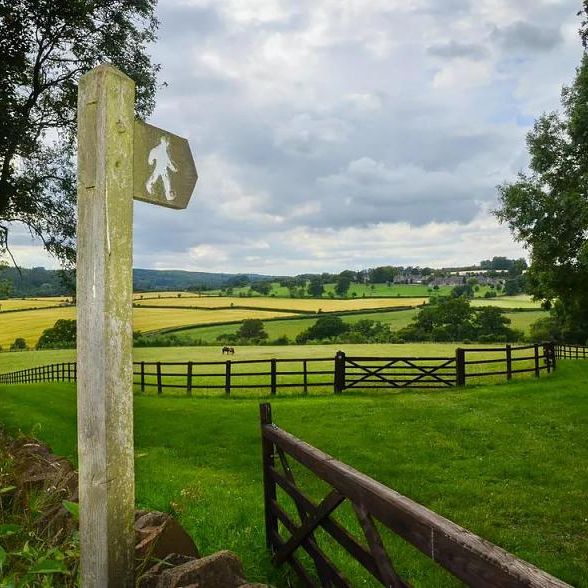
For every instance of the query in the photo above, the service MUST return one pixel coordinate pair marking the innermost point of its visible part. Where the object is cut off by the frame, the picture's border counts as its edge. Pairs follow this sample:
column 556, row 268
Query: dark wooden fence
column 468, row 557
column 571, row 352
column 338, row 374
column 55, row 372
column 474, row 363
column 273, row 375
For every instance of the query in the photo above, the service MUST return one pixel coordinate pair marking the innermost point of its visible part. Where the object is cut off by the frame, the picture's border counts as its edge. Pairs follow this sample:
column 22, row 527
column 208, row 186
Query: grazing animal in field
column 228, row 350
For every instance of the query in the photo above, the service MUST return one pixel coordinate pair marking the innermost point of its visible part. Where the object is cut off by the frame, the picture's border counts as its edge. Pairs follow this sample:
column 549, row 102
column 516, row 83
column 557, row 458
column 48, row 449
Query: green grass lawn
column 507, row 462
column 518, row 301
column 360, row 289
column 291, row 328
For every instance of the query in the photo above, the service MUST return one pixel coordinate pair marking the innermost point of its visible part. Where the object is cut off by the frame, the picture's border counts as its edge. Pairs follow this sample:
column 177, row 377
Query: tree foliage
column 19, row 345
column 45, row 46
column 62, row 335
column 547, row 208
column 325, row 327
column 252, row 330
column 453, row 319
column 342, row 285
column 315, row 287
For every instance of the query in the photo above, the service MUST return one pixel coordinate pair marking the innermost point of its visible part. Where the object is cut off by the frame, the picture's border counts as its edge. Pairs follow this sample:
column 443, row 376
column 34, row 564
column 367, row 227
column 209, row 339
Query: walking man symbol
column 163, row 165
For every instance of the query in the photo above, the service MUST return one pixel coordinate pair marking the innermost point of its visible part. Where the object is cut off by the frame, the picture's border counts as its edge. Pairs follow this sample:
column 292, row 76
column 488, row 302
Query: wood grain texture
column 104, row 339
column 474, row 560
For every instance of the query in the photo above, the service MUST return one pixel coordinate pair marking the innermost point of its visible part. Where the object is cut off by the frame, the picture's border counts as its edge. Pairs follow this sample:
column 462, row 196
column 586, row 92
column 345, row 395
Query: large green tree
column 547, row 207
column 45, row 46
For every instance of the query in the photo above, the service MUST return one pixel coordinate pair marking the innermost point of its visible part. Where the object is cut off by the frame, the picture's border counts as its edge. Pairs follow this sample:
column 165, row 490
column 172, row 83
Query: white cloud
column 331, row 133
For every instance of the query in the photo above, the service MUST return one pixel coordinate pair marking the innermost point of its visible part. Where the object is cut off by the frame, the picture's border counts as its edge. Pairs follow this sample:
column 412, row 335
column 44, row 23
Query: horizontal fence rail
column 571, row 351
column 55, row 372
column 326, row 374
column 473, row 560
column 475, row 363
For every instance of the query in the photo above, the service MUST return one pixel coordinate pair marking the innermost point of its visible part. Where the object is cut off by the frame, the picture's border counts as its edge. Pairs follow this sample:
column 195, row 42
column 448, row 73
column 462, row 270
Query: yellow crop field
column 29, row 303
column 31, row 323
column 151, row 319
column 285, row 304
column 152, row 295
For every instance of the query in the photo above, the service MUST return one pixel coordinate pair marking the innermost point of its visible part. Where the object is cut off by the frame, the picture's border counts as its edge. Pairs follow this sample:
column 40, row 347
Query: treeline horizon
column 38, row 281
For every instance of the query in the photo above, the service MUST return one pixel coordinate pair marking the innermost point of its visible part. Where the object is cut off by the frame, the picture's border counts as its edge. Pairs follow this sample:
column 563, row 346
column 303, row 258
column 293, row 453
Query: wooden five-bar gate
column 475, row 561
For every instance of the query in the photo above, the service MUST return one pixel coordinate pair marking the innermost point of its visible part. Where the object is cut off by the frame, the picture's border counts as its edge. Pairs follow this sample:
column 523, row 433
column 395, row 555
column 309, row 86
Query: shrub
column 546, row 329
column 19, row 345
column 62, row 335
column 252, row 330
column 325, row 327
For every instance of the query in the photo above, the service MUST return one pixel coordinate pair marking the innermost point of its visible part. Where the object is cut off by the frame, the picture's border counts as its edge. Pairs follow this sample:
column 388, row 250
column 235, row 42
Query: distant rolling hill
column 39, row 281
column 147, row 279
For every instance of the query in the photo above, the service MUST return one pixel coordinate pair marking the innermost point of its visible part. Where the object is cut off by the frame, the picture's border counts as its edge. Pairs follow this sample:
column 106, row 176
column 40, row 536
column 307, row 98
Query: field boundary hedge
column 299, row 317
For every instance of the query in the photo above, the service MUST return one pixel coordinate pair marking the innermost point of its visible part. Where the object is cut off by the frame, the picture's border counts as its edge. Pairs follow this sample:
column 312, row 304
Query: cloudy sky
column 334, row 134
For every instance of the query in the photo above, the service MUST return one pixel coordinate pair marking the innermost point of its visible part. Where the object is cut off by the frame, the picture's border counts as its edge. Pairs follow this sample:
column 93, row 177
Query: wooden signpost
column 119, row 159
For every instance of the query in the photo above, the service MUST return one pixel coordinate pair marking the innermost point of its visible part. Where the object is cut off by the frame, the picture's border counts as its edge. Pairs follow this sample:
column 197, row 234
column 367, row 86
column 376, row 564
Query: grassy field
column 12, row 361
column 30, row 324
column 253, row 380
column 298, row 304
column 518, row 301
column 359, row 289
column 28, row 303
column 506, row 462
column 292, row 327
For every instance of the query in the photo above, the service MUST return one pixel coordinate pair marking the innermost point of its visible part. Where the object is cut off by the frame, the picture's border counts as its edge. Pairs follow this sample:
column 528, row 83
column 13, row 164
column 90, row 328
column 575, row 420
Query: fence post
column 553, row 355
column 460, row 372
column 305, row 375
column 159, row 386
column 269, row 486
column 537, row 368
column 508, row 362
column 273, row 376
column 142, row 377
column 189, row 379
column 228, row 377
column 339, row 379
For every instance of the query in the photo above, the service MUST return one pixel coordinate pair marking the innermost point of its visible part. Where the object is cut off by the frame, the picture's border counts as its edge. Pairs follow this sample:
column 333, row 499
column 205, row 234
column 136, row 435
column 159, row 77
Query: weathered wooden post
column 106, row 100
column 119, row 158
column 460, row 365
column 269, row 486
column 228, row 377
column 273, row 376
column 339, row 379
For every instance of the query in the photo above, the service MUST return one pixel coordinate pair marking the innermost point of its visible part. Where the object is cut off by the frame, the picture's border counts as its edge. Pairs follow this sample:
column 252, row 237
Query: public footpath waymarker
column 119, row 158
